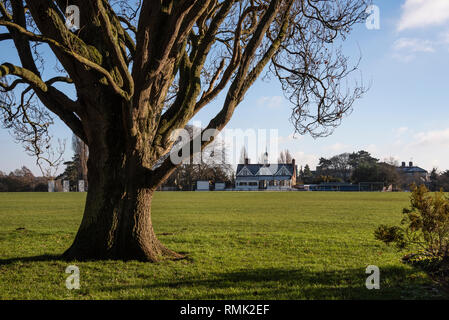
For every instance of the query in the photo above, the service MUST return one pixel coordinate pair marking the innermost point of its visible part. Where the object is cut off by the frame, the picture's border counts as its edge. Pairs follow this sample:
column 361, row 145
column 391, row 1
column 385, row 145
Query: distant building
column 413, row 174
column 412, row 170
column 265, row 176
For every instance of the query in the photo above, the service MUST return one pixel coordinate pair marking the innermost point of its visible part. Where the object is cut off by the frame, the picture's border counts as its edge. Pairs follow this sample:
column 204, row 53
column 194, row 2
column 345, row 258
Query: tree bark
column 117, row 217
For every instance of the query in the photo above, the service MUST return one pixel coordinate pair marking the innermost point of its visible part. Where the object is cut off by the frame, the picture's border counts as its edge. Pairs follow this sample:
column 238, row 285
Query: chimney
column 410, row 164
column 403, row 163
column 246, row 161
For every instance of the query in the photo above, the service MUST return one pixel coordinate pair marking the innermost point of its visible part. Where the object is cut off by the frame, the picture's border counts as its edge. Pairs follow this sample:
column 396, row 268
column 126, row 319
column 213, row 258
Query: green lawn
column 241, row 245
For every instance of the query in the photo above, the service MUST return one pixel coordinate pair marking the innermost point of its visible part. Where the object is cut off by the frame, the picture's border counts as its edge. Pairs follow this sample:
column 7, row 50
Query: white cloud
column 414, row 45
column 400, row 131
column 426, row 149
column 444, row 37
column 404, row 58
column 289, row 138
column 302, row 159
column 273, row 102
column 433, row 138
column 423, row 13
column 405, row 49
column 371, row 148
column 338, row 147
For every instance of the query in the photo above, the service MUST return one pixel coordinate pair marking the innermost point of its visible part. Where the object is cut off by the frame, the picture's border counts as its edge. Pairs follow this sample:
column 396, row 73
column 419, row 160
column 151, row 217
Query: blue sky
column 404, row 115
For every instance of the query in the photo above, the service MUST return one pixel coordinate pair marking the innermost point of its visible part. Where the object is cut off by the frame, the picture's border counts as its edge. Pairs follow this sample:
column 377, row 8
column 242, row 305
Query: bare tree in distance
column 141, row 72
column 392, row 161
column 28, row 123
column 81, row 151
column 243, row 155
column 210, row 164
column 285, row 156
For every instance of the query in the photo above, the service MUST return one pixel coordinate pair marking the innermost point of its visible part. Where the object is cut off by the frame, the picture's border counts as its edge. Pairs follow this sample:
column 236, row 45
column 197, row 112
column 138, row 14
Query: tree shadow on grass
column 40, row 258
column 274, row 283
column 397, row 282
column 60, row 257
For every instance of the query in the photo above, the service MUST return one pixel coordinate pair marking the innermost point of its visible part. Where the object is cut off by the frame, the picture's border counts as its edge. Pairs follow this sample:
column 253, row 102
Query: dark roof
column 267, row 170
column 413, row 169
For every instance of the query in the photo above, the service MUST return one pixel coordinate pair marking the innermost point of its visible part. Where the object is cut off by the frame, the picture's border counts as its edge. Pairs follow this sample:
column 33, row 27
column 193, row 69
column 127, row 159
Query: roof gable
column 283, row 171
column 244, row 172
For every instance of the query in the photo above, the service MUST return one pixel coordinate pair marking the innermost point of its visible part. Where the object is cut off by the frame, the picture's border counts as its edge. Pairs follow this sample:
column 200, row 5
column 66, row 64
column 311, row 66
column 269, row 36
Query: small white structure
column 81, row 186
column 65, row 186
column 51, row 186
column 219, row 186
column 202, row 185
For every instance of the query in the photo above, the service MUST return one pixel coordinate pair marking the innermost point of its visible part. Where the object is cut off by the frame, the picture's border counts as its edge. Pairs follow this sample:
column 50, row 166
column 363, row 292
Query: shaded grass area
column 240, row 245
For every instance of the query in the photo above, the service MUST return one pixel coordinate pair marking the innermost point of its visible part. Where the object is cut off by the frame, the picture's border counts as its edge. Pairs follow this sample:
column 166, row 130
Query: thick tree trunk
column 117, row 216
column 117, row 219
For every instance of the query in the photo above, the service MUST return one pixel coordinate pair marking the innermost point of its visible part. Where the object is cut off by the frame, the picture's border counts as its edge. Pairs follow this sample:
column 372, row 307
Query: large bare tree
column 142, row 71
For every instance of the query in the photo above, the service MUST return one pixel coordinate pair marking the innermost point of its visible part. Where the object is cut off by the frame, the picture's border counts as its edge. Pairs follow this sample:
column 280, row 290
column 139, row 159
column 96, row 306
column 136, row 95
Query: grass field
column 241, row 245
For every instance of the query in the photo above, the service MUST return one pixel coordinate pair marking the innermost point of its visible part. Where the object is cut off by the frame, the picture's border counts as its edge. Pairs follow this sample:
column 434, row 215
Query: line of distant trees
column 353, row 167
column 358, row 167
column 22, row 180
column 439, row 180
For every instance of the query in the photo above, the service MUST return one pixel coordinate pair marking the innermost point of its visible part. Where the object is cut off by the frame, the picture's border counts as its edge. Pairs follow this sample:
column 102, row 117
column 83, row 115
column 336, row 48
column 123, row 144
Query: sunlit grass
column 241, row 245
